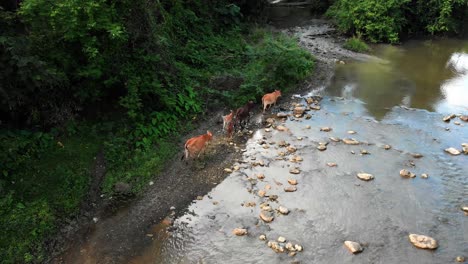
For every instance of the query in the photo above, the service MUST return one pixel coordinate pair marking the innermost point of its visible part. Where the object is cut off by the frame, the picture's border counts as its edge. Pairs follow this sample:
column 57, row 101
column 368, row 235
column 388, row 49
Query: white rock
column 298, row 247
column 281, row 239
column 365, row 176
column 326, row 129
column 421, row 241
column 283, row 210
column 239, row 231
column 407, row 174
column 350, row 141
column 290, row 189
column 452, row 151
column 353, row 247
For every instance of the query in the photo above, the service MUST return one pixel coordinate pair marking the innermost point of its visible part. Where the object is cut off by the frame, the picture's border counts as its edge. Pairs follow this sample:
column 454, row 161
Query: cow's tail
column 185, row 153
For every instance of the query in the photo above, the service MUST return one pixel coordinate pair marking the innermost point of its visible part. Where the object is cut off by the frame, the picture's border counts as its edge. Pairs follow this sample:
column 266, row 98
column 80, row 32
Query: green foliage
column 140, row 168
column 23, row 228
column 374, row 19
column 356, row 44
column 148, row 64
column 41, row 181
column 385, row 21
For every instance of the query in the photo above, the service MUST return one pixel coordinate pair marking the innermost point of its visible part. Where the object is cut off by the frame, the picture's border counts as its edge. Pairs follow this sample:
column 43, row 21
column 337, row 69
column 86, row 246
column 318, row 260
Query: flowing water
column 430, row 75
column 399, row 101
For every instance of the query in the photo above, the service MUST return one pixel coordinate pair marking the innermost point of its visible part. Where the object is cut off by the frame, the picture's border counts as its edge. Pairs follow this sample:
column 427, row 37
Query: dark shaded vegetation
column 388, row 21
column 126, row 77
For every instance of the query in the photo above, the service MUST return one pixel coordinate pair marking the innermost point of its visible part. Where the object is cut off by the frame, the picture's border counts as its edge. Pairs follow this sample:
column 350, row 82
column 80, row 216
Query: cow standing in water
column 196, row 145
column 243, row 113
column 270, row 99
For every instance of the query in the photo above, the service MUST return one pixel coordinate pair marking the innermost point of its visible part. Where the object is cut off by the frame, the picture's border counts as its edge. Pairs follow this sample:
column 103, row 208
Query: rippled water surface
column 430, row 75
column 331, row 204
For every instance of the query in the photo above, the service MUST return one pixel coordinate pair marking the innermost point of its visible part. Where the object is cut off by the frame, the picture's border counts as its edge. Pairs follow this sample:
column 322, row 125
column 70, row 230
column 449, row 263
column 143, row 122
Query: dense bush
column 136, row 70
column 386, row 21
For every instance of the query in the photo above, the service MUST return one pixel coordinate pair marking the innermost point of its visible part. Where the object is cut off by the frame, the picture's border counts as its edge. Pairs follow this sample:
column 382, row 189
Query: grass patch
column 356, row 44
column 139, row 167
column 48, row 184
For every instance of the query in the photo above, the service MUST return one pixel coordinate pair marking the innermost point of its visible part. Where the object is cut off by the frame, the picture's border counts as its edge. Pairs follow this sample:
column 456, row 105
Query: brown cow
column 243, row 113
column 196, row 145
column 270, row 99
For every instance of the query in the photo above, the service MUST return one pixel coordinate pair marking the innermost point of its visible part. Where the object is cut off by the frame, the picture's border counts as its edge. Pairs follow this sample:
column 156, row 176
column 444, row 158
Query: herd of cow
column 232, row 121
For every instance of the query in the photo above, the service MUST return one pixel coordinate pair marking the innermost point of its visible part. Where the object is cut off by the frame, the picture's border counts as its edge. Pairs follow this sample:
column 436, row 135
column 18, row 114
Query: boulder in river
column 283, row 210
column 260, row 176
column 308, row 126
column 460, row 259
column 292, row 181
column 465, row 148
column 351, row 132
column 387, row 147
column 417, row 155
column 326, row 129
column 452, row 151
column 281, row 128
column 449, row 117
column 364, row 152
column 291, row 149
column 422, row 241
column 365, row 176
column 281, row 239
column 294, row 171
column 424, row 176
column 464, row 118
column 239, row 231
column 266, row 216
column 282, row 115
column 299, row 110
column 298, row 247
column 334, row 139
column 308, row 116
column 465, row 209
column 322, row 147
column 350, row 141
column 315, row 107
column 290, row 189
column 261, row 193
column 331, row 164
column 407, row 174
column 353, row 247
column 262, row 237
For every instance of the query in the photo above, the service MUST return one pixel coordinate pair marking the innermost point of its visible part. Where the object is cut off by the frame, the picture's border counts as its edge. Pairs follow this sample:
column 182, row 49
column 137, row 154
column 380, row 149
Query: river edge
column 117, row 237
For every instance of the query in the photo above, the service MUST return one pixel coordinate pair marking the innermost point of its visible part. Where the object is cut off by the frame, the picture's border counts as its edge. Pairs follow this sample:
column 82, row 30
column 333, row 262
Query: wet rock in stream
column 290, row 189
column 452, row 151
column 448, row 118
column 365, row 176
column 294, row 171
column 322, row 147
column 407, row 174
column 239, row 231
column 350, row 141
column 422, row 241
column 266, row 216
column 460, row 259
column 292, row 181
column 326, row 129
column 283, row 210
column 353, row 247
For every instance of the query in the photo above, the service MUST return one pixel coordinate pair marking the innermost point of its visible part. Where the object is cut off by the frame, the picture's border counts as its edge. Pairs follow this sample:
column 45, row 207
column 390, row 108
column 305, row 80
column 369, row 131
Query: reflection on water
column 431, row 75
